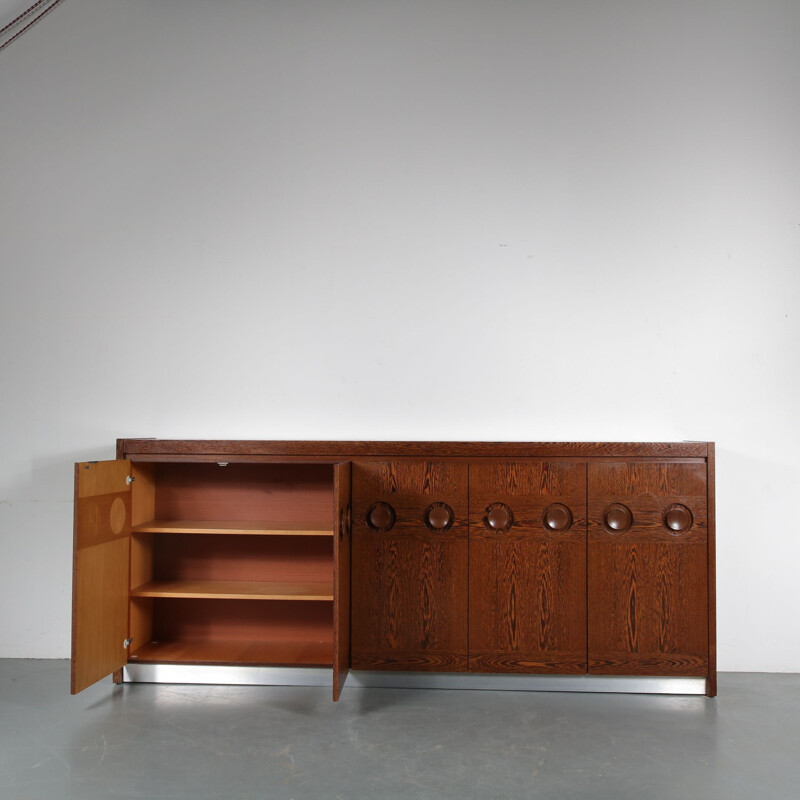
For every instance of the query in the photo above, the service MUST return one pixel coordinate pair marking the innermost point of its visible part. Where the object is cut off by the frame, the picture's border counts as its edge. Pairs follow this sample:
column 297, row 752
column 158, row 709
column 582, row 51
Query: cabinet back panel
column 241, row 620
column 242, row 558
column 244, row 492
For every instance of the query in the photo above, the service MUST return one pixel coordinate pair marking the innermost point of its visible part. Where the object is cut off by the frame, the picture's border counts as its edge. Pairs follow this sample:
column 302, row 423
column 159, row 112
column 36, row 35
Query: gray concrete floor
column 169, row 742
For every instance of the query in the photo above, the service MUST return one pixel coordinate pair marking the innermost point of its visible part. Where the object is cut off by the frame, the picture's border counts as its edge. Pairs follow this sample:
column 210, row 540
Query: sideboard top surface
column 155, row 449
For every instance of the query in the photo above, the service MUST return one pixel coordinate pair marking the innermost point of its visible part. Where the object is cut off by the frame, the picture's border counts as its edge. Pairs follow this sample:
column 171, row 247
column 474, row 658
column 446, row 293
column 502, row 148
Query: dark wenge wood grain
column 527, row 605
column 347, row 450
column 415, row 660
column 545, row 662
column 651, row 664
column 648, row 588
column 409, row 585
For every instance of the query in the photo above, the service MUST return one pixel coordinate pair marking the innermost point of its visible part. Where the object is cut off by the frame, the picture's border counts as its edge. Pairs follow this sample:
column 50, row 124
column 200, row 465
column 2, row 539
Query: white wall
column 420, row 219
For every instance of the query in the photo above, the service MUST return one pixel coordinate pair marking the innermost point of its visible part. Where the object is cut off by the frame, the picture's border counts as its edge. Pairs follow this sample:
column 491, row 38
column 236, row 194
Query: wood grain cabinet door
column 409, row 576
column 527, row 566
column 101, row 559
column 647, row 568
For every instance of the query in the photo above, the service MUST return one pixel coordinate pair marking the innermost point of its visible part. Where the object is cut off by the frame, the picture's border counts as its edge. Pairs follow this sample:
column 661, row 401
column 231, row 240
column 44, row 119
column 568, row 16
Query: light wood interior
column 263, row 653
column 245, row 493
column 233, row 590
column 241, row 558
column 230, row 631
column 260, row 528
column 143, row 498
column 232, row 564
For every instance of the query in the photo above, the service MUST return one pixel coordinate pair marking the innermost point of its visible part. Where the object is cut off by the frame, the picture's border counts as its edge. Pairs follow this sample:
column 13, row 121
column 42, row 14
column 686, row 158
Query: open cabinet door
column 101, row 559
column 341, row 575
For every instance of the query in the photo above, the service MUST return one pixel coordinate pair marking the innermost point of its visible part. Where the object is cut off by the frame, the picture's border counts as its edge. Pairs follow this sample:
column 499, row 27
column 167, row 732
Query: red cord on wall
column 23, row 16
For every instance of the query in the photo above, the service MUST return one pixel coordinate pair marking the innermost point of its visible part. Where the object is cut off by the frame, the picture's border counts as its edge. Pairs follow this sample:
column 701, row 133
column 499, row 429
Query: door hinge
column 129, row 479
column 127, row 642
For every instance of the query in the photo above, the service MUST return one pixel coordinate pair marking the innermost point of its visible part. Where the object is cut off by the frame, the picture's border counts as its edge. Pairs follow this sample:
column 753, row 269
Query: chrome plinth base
column 528, row 683
column 322, row 676
column 228, row 675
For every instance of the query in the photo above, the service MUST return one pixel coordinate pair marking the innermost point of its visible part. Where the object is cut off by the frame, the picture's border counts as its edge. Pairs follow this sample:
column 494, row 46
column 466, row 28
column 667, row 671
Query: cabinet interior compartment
column 232, row 564
column 271, row 494
column 213, row 631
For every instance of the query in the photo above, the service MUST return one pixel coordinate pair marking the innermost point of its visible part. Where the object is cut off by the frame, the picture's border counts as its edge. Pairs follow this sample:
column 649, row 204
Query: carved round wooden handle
column 557, row 517
column 381, row 517
column 439, row 517
column 498, row 518
column 678, row 518
column 617, row 518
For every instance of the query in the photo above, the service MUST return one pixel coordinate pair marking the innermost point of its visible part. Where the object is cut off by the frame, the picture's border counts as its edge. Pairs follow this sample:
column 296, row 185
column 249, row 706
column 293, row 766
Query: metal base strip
column 528, row 683
column 227, row 675
column 357, row 679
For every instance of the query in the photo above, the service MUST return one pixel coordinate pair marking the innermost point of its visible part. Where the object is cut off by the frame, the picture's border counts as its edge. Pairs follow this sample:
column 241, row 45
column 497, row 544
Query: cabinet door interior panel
column 527, row 598
column 648, row 584
column 101, row 568
column 409, row 592
column 242, row 558
column 244, row 492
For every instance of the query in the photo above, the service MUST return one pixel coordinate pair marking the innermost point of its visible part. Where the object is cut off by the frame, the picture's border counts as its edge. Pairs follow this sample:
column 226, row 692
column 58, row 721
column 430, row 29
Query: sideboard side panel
column 711, row 682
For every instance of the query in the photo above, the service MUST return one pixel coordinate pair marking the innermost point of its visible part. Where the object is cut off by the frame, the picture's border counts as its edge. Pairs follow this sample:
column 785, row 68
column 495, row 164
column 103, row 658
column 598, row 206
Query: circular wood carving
column 438, row 517
column 557, row 517
column 117, row 515
column 678, row 519
column 381, row 517
column 617, row 518
column 498, row 518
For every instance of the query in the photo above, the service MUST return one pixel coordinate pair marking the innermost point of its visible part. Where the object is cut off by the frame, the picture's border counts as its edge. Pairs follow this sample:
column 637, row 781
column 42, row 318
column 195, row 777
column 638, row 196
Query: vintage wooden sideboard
column 501, row 561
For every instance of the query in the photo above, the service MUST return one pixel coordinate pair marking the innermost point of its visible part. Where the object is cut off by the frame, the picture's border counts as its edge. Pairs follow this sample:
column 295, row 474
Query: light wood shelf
column 271, row 653
column 260, row 528
column 236, row 590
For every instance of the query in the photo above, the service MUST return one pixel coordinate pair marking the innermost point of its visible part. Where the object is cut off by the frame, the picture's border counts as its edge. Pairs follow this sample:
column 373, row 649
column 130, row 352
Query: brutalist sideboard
column 465, row 558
